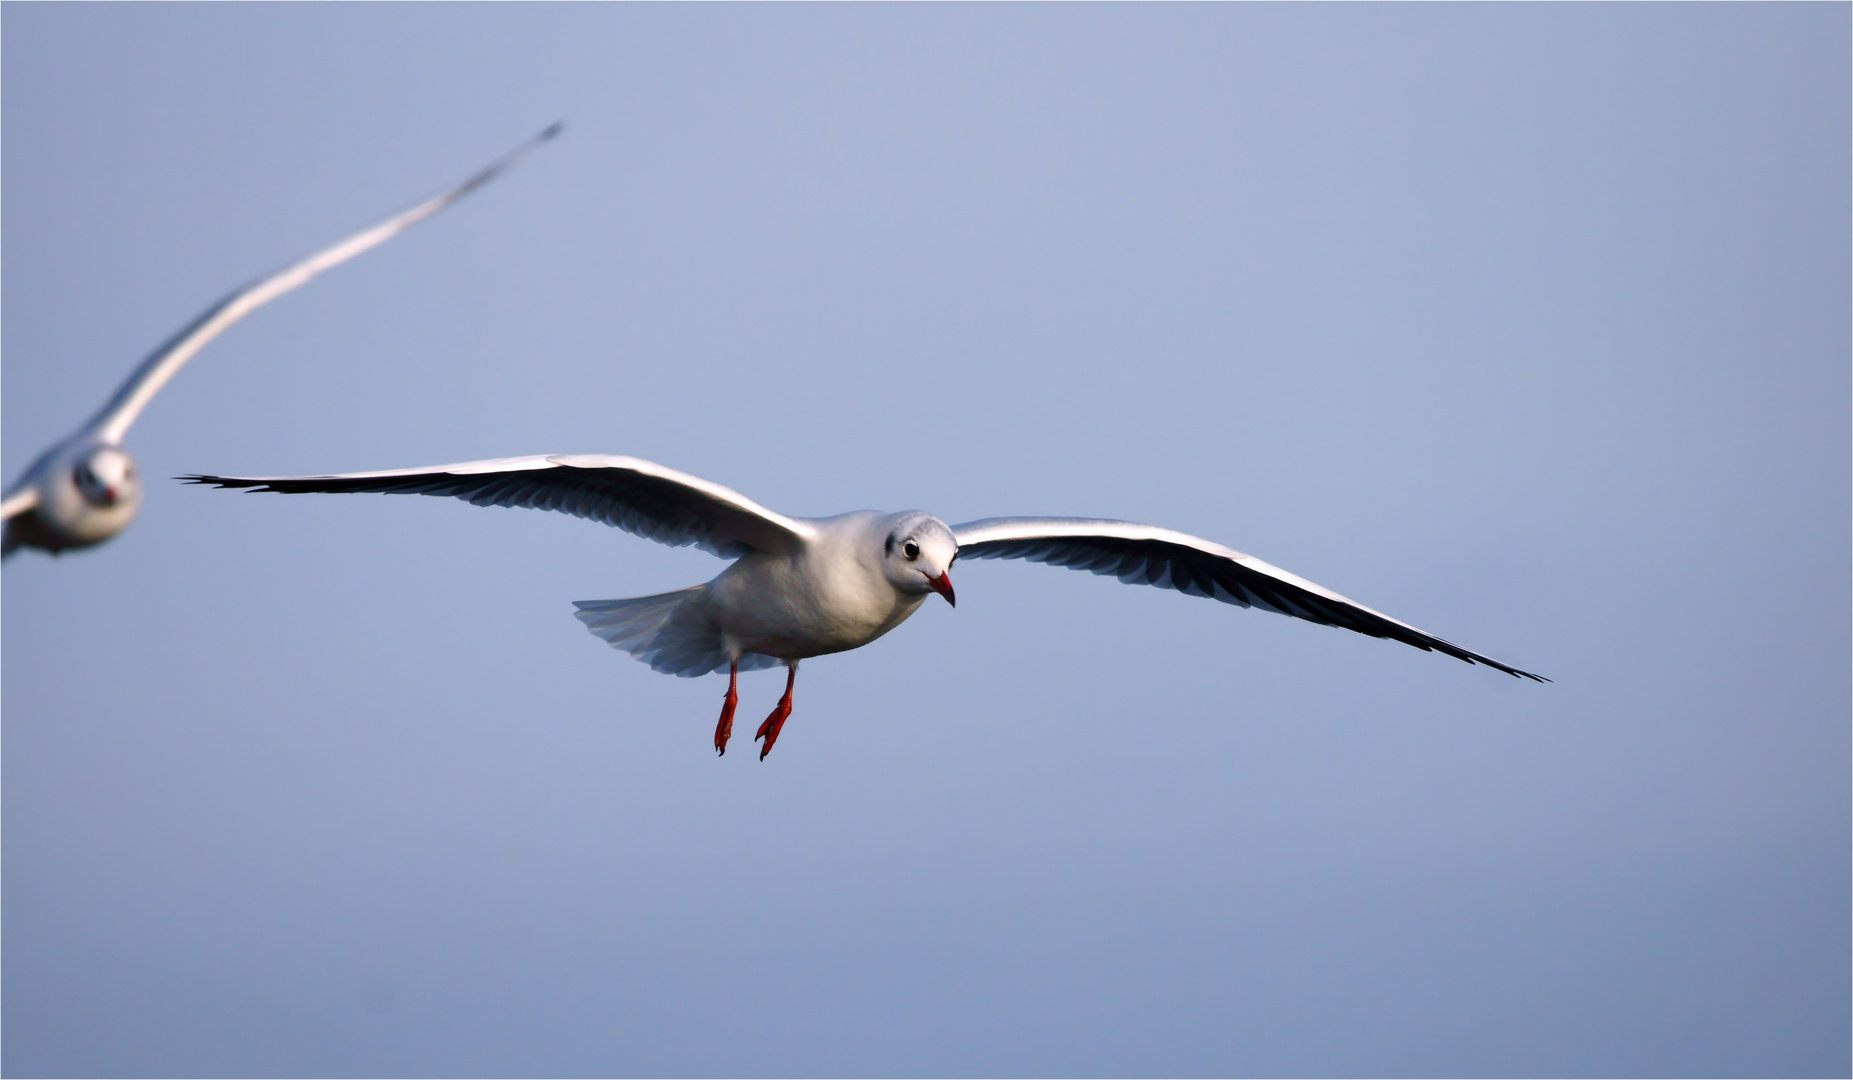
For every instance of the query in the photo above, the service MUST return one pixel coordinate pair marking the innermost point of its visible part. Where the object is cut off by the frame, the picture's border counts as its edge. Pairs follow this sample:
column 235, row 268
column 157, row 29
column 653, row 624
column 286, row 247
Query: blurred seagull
column 802, row 587
column 84, row 490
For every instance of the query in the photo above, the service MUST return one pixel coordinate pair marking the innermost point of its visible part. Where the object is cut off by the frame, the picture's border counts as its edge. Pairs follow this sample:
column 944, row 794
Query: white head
column 105, row 477
column 917, row 550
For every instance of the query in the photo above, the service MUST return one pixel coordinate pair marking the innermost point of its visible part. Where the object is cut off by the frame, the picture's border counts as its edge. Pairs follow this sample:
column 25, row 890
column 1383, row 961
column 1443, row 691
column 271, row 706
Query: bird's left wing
column 112, row 423
column 19, row 502
column 637, row 496
column 1147, row 555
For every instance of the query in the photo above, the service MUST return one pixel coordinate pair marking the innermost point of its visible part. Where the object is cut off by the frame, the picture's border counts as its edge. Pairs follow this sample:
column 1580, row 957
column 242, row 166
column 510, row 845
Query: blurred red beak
column 943, row 586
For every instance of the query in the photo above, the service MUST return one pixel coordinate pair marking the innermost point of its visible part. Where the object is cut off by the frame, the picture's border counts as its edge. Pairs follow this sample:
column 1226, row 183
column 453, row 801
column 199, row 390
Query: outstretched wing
column 19, row 502
column 112, row 423
column 1145, row 555
column 637, row 496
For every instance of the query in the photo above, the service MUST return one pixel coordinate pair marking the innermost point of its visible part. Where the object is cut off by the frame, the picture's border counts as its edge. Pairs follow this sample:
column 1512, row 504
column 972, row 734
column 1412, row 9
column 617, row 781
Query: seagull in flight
column 84, row 489
column 803, row 587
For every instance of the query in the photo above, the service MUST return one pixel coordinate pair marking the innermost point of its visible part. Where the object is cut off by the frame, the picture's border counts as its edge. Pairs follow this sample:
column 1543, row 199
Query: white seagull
column 84, row 489
column 802, row 587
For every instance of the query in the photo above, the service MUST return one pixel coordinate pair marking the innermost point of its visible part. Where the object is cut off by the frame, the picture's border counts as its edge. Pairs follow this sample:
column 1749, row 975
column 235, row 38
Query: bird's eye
column 911, row 550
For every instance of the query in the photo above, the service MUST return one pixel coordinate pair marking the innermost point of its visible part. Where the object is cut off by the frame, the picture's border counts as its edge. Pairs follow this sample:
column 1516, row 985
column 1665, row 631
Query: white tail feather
column 671, row 632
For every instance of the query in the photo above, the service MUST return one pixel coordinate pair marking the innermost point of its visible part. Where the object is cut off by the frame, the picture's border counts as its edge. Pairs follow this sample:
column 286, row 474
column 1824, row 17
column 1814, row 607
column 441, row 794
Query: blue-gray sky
column 1527, row 325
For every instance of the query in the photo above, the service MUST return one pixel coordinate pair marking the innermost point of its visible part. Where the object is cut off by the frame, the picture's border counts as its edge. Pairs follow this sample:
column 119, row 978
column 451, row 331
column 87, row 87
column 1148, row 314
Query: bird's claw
column 769, row 730
column 724, row 729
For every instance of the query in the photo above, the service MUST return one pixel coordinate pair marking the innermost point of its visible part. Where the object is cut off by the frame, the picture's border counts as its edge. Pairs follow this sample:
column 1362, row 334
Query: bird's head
column 105, row 477
column 917, row 550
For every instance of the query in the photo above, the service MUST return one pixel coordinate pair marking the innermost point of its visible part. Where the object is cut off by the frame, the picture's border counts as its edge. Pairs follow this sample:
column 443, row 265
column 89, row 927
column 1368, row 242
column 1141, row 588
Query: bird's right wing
column 19, row 502
column 112, row 423
column 637, row 496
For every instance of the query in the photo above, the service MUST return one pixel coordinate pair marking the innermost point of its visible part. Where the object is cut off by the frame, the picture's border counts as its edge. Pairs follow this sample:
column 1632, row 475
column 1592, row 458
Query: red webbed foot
column 769, row 730
column 724, row 730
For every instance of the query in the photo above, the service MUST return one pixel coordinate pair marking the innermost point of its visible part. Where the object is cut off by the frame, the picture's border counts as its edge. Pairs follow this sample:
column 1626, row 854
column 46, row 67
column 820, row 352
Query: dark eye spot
column 911, row 550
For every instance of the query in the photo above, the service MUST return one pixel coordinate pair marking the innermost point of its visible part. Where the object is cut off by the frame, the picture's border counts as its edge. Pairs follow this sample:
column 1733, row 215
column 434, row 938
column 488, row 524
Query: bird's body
column 84, row 489
column 71, row 499
column 835, row 587
column 803, row 587
column 830, row 596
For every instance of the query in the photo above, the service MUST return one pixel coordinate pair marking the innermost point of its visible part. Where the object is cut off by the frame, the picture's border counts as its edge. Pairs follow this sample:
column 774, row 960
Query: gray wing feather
column 638, row 496
column 1147, row 555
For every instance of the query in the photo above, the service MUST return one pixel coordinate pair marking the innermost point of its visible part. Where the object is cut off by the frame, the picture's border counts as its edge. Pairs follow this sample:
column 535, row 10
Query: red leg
column 769, row 730
column 724, row 730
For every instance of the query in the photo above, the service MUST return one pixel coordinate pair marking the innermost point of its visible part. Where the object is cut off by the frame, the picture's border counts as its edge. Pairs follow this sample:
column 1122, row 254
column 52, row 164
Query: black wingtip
column 1518, row 674
column 1461, row 654
column 217, row 481
column 552, row 129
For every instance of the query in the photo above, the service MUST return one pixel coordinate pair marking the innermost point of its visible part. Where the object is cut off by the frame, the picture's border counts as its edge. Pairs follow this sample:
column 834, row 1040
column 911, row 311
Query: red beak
column 943, row 586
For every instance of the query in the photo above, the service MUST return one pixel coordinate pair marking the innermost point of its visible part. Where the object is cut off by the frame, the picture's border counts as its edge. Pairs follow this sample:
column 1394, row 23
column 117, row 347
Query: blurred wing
column 637, row 496
column 1144, row 555
column 112, row 423
column 19, row 502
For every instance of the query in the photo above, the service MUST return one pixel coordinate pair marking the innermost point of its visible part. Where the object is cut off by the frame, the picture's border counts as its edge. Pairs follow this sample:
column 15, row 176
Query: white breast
column 830, row 597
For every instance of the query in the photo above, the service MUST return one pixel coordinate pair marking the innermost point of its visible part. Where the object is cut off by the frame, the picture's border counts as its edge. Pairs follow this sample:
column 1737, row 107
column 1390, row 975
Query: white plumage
column 802, row 587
